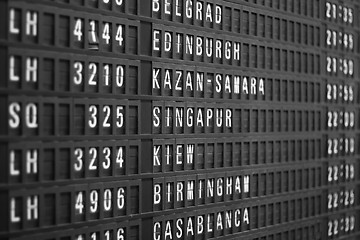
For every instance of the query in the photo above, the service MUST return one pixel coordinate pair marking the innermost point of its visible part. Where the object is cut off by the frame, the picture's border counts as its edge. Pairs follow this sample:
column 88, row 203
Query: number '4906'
column 94, row 203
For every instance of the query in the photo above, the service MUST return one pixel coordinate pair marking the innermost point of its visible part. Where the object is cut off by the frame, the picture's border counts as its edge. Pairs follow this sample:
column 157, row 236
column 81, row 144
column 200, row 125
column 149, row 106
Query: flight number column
column 72, row 104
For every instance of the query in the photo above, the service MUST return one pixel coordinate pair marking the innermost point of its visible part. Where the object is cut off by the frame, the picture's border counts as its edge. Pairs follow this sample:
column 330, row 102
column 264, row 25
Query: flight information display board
column 179, row 119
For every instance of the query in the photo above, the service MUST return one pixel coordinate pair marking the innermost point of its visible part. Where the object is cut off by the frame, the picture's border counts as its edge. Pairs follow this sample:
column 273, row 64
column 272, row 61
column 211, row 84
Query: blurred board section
column 179, row 119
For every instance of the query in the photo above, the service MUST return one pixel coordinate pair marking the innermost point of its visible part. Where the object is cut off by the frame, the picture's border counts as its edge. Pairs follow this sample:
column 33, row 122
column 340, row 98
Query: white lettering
column 237, row 51
column 200, row 224
column 190, row 228
column 179, row 192
column 157, row 194
column 177, row 9
column 237, row 185
column 13, row 29
column 156, row 41
column 167, row 7
column 156, row 156
column 178, row 86
column 246, row 216
column 218, row 80
column 209, row 17
column 190, row 154
column 253, row 85
column 190, row 118
column 245, row 86
column 261, row 87
column 218, row 16
column 190, row 190
column 219, row 223
column 199, row 119
column 14, row 118
column 189, row 44
column 199, row 46
column 179, row 231
column 228, row 217
column 218, row 53
column 237, row 218
column 31, row 116
column 168, row 42
column 229, row 182
column 13, row 217
column 228, row 116
column 31, row 23
column 32, row 208
column 247, row 184
column 156, row 73
column 156, row 6
column 13, row 170
column 12, row 67
column 167, row 79
column 31, row 161
column 199, row 9
column 228, row 50
column 31, row 69
column 179, row 154
column 200, row 82
column 188, row 8
column 157, row 229
column 189, row 82
column 219, row 187
column 156, row 113
column 168, row 232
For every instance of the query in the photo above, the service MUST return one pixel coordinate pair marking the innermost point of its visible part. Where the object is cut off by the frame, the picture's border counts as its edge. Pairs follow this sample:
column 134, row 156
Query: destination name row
column 32, row 162
column 34, row 116
column 116, row 200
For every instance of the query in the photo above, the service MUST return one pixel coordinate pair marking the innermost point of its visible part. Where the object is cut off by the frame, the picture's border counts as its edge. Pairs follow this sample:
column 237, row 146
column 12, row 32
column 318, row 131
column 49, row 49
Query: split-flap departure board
column 179, row 119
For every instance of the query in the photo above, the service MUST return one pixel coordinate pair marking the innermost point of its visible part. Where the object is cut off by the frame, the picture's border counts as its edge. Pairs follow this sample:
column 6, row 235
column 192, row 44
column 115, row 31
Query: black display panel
column 179, row 119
